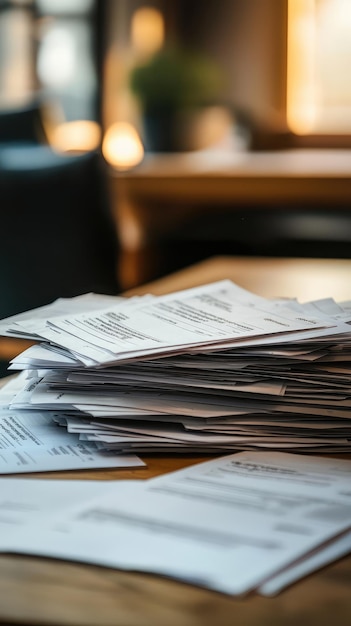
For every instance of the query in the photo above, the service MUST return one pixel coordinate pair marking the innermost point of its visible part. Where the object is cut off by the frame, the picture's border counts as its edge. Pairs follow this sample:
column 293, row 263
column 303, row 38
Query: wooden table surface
column 38, row 591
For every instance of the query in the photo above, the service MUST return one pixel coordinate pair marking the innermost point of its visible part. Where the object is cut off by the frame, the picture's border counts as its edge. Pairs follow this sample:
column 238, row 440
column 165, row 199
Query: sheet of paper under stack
column 210, row 369
column 248, row 521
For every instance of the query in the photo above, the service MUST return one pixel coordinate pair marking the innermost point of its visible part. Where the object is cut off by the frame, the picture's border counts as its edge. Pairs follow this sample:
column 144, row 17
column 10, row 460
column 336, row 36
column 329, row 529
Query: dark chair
column 22, row 125
column 58, row 237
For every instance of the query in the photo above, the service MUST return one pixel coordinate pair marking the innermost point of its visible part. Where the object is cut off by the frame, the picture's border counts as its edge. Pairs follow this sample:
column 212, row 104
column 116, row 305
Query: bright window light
column 319, row 58
column 57, row 58
column 66, row 7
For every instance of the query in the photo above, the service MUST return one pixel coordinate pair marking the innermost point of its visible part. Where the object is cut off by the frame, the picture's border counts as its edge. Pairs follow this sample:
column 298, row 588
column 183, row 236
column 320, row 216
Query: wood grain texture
column 305, row 279
column 44, row 591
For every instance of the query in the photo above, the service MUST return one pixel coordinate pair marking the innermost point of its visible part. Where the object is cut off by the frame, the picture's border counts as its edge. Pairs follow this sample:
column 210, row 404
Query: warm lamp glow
column 77, row 136
column 122, row 146
column 147, row 30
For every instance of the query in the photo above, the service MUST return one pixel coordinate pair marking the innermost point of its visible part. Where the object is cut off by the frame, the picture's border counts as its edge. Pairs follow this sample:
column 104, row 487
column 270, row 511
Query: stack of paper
column 209, row 369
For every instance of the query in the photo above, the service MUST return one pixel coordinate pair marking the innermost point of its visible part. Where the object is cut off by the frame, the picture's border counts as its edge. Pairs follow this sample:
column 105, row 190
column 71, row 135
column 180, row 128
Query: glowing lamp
column 122, row 147
column 76, row 136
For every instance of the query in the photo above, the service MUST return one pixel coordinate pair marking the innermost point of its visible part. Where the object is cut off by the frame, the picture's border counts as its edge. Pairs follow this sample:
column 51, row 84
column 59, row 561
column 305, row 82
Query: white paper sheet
column 201, row 315
column 31, row 441
column 27, row 500
column 320, row 558
column 228, row 524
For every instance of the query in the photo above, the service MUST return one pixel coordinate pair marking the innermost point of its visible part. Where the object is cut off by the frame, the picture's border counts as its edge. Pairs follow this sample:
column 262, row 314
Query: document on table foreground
column 332, row 551
column 27, row 500
column 229, row 524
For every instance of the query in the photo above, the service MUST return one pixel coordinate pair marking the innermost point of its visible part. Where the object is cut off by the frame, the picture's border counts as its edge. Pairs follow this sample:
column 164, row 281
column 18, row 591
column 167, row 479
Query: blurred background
column 269, row 67
column 145, row 135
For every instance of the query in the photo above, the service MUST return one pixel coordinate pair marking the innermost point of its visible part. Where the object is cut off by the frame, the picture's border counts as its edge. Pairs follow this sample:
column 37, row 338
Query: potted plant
column 171, row 83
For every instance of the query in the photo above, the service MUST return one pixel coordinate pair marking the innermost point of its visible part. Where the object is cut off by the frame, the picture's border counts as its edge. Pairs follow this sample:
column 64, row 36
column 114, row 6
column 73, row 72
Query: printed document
column 199, row 316
column 229, row 524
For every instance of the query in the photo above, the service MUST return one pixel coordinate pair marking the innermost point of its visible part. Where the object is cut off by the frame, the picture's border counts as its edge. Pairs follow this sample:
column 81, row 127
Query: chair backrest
column 57, row 234
column 23, row 125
